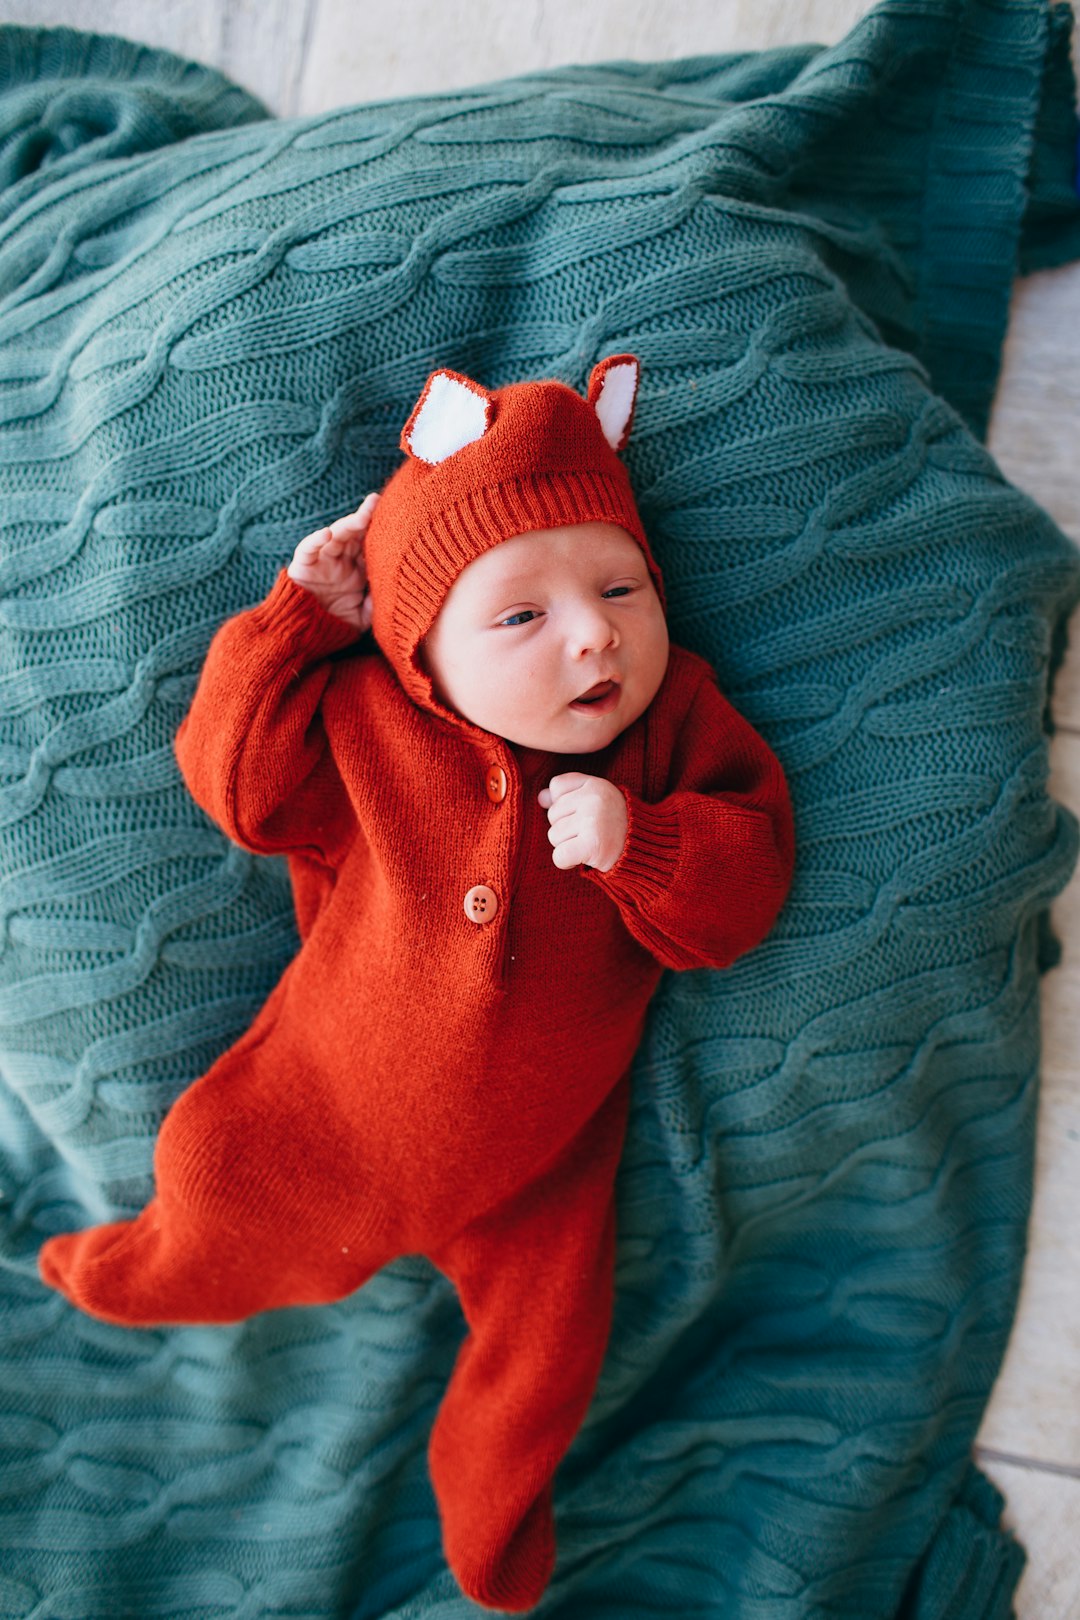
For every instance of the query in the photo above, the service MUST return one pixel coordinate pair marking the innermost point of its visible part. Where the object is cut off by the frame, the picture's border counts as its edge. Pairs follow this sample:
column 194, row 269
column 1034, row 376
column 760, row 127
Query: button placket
column 497, row 769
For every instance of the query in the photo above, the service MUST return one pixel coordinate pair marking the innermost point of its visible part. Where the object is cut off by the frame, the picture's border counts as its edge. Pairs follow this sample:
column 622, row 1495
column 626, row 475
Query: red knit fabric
column 420, row 1083
column 430, row 1075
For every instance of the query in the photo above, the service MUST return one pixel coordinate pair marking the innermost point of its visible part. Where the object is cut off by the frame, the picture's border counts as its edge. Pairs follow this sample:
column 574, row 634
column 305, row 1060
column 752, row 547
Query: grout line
column 224, row 41
column 307, row 30
column 1032, row 1464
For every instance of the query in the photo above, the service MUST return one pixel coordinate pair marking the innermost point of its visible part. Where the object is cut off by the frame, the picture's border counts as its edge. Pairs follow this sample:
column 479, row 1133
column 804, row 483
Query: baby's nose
column 593, row 630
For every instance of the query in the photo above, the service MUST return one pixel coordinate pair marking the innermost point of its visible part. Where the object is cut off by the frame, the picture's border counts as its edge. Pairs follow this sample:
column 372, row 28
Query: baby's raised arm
column 252, row 746
column 330, row 564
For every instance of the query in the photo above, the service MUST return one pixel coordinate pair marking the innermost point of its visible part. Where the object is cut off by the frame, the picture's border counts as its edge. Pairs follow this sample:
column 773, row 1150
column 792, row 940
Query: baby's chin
column 570, row 748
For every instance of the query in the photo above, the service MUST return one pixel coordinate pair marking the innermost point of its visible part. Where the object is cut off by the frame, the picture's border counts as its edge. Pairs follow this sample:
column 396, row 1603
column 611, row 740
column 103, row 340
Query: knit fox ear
column 452, row 411
column 613, row 386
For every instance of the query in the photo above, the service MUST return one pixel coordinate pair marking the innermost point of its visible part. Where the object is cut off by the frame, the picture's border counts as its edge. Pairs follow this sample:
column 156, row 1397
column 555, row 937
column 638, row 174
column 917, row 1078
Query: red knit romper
column 427, row 1078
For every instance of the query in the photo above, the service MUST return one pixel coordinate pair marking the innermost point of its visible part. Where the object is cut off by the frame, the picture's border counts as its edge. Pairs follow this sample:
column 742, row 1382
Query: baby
column 505, row 812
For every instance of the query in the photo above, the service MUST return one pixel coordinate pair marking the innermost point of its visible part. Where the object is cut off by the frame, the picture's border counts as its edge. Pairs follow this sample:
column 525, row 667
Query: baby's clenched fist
column 587, row 820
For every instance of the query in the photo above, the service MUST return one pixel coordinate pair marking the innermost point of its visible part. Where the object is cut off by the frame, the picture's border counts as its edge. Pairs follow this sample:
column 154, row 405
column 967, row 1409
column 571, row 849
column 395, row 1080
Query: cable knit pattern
column 211, row 328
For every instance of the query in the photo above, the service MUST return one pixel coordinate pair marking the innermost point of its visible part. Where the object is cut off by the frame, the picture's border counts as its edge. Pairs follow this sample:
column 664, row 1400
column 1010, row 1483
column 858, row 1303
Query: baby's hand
column 587, row 820
column 330, row 564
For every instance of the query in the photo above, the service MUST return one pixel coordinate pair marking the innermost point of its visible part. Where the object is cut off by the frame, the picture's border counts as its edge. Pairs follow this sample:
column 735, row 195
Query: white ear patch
column 614, row 404
column 450, row 416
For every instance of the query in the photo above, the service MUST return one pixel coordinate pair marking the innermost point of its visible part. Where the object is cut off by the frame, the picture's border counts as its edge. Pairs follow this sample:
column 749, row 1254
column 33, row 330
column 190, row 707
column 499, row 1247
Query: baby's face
column 531, row 626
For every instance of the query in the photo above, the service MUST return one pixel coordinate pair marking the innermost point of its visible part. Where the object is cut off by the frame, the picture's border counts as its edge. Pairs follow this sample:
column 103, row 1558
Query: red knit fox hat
column 481, row 467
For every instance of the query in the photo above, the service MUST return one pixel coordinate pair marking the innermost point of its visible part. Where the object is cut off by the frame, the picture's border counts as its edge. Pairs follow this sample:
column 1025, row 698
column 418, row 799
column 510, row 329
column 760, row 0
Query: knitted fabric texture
column 480, row 1116
column 213, row 326
column 539, row 460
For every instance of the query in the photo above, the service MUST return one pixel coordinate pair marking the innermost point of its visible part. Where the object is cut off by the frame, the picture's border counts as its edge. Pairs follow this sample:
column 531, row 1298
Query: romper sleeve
column 252, row 747
column 706, row 869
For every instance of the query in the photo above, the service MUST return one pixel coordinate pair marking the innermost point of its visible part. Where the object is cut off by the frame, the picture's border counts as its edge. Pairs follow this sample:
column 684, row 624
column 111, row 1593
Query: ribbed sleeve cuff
column 295, row 614
column 647, row 864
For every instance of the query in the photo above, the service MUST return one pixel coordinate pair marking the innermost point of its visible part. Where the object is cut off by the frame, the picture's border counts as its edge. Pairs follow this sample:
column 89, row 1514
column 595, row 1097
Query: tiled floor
column 309, row 55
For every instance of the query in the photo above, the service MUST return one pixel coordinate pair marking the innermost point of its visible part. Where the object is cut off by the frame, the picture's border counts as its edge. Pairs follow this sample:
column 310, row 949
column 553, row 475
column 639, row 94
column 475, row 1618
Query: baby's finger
column 560, row 831
column 310, row 546
column 566, row 783
column 356, row 522
column 569, row 854
column 564, row 809
column 341, row 543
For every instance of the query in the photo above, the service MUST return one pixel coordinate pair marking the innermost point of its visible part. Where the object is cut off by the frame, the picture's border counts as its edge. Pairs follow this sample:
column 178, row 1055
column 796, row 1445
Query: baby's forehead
column 540, row 551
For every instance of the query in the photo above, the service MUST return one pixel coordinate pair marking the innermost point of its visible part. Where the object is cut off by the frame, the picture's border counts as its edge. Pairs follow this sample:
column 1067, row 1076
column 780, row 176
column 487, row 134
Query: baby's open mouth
column 599, row 698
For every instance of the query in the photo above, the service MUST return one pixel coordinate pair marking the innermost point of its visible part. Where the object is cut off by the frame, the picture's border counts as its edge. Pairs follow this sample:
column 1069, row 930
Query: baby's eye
column 618, row 590
column 519, row 618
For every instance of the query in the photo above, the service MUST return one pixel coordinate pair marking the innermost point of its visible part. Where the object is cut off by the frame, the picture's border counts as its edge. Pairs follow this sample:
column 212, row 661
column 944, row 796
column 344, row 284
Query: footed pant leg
column 259, row 1203
column 536, row 1281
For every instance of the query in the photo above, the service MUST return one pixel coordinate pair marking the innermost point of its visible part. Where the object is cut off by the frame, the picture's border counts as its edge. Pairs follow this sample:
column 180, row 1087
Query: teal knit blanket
column 212, row 326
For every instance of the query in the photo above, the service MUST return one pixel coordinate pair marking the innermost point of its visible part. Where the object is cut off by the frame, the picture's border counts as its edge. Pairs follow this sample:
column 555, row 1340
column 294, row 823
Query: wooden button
column 481, row 904
column 495, row 782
